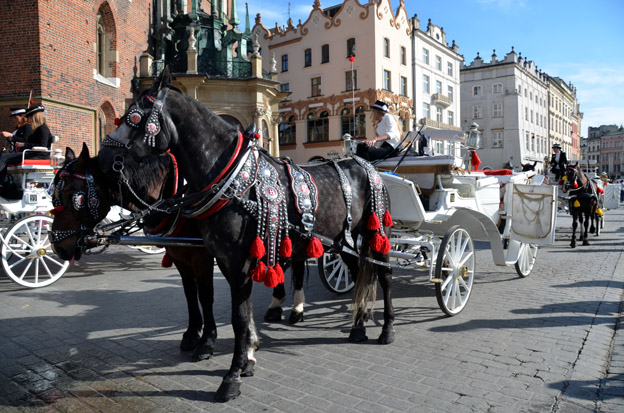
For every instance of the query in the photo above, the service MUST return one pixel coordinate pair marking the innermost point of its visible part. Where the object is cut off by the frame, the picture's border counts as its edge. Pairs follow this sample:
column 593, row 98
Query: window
column 497, row 139
column 351, row 47
column 449, row 69
column 316, row 86
column 287, row 131
column 476, row 90
column 450, row 93
column 426, row 111
column 351, row 80
column 439, row 114
column 451, row 117
column 403, row 86
column 318, row 128
column 403, row 56
column 497, row 110
column 386, row 80
column 386, row 47
column 476, row 112
column 307, row 60
column 346, row 122
column 106, row 48
column 438, row 63
column 325, row 53
column 438, row 87
column 285, row 63
column 426, row 84
column 526, row 113
column 426, row 56
column 285, row 87
column 497, row 88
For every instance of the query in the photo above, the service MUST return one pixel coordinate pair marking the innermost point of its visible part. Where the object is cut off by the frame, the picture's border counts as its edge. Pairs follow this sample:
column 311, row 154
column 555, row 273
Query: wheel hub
column 41, row 252
column 463, row 271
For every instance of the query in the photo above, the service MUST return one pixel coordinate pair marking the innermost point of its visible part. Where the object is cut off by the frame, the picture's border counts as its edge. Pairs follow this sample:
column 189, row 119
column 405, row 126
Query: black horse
column 83, row 195
column 582, row 203
column 242, row 201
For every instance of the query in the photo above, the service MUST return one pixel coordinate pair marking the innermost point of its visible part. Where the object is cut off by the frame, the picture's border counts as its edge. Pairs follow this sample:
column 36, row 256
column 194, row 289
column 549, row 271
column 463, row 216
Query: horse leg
column 242, row 316
column 585, row 227
column 191, row 336
column 574, row 225
column 385, row 280
column 204, row 271
column 274, row 313
column 253, row 342
column 296, row 314
column 358, row 270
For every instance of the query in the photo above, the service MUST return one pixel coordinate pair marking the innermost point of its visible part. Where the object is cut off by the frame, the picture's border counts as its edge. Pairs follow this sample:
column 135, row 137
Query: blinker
column 79, row 200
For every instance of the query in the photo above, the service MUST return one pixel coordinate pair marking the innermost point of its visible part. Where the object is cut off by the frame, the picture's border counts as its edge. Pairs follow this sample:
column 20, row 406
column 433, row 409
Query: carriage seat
column 37, row 158
column 422, row 170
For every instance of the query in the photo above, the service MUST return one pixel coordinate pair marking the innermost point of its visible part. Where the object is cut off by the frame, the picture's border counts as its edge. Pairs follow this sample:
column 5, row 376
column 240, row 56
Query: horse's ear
column 162, row 81
column 85, row 152
column 69, row 154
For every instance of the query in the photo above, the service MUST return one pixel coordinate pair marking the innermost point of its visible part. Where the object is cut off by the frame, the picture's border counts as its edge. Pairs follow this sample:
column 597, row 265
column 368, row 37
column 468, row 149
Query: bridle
column 80, row 201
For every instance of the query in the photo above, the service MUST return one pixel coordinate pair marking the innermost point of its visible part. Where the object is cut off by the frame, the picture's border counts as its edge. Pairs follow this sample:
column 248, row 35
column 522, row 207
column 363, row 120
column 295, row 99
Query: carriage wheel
column 27, row 256
column 526, row 259
column 335, row 274
column 454, row 272
column 148, row 249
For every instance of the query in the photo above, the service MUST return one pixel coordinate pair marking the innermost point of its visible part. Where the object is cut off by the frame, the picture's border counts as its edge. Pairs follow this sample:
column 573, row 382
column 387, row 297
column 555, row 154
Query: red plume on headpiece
column 117, row 121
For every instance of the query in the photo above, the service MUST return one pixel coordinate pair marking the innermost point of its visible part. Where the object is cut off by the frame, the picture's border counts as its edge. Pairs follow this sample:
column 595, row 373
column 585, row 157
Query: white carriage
column 25, row 202
column 439, row 209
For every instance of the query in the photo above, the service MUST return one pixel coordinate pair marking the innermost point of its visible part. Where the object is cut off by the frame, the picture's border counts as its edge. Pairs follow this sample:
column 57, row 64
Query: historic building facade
column 564, row 117
column 331, row 94
column 508, row 99
column 605, row 145
column 86, row 60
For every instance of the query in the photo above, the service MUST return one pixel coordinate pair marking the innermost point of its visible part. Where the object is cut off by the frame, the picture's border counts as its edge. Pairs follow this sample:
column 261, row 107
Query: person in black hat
column 558, row 161
column 388, row 134
column 40, row 136
column 23, row 129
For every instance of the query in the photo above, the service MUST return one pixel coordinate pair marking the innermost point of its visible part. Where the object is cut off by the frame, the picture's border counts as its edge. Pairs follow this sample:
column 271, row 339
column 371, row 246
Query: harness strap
column 347, row 193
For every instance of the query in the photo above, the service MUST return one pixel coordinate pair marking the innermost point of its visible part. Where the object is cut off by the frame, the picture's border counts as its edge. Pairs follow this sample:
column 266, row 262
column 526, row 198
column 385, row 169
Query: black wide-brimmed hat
column 33, row 110
column 556, row 145
column 379, row 105
column 17, row 111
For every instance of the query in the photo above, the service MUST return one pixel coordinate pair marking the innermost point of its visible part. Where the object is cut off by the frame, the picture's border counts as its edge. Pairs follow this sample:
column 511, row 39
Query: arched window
column 106, row 123
column 232, row 121
column 266, row 136
column 106, row 45
column 360, row 122
column 287, row 131
column 318, row 128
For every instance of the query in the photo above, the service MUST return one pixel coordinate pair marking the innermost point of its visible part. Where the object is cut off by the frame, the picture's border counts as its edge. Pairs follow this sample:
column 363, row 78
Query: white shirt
column 388, row 126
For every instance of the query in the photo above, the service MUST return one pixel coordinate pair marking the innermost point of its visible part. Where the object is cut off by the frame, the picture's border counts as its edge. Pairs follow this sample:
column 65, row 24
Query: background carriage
column 439, row 209
column 27, row 256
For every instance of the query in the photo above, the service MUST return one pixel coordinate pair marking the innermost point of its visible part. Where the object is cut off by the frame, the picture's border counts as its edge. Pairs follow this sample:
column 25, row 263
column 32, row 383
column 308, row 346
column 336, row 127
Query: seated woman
column 40, row 136
column 23, row 129
column 388, row 134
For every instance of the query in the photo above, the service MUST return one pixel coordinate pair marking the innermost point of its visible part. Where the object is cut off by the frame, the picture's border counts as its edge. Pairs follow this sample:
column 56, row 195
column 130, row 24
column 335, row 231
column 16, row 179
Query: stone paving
column 105, row 338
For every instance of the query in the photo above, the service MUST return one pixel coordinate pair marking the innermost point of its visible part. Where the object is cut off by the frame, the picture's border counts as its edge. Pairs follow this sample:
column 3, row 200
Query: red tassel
column 315, row 248
column 166, row 261
column 373, row 222
column 387, row 219
column 376, row 243
column 258, row 273
column 271, row 279
column 257, row 248
column 385, row 245
column 286, row 248
column 575, row 186
column 280, row 274
column 59, row 208
column 600, row 190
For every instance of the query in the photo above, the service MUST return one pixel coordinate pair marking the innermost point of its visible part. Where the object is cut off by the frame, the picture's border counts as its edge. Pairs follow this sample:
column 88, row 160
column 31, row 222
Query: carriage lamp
column 348, row 143
column 474, row 137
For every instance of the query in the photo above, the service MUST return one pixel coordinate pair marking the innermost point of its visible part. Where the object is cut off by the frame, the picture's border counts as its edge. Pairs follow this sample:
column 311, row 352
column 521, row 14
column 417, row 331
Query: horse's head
column 79, row 204
column 146, row 127
column 570, row 178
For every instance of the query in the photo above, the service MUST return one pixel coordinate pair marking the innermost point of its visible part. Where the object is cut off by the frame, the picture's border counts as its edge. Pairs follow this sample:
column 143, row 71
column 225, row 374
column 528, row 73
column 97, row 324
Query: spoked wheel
column 454, row 270
column 27, row 256
column 148, row 249
column 526, row 259
column 335, row 274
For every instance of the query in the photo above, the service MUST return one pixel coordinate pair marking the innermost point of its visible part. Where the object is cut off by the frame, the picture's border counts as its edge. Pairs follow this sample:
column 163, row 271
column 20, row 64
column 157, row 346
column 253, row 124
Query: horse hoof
column 273, row 315
column 295, row 317
column 202, row 353
column 228, row 390
column 357, row 335
column 189, row 341
column 585, row 242
column 386, row 337
column 248, row 370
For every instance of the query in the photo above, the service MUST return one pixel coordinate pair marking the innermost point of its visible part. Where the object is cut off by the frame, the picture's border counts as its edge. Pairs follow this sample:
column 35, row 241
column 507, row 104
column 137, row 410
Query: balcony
column 440, row 100
column 436, row 124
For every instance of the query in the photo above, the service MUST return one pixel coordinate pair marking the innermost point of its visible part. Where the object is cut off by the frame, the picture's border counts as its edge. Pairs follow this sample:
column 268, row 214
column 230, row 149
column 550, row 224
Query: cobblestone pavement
column 105, row 338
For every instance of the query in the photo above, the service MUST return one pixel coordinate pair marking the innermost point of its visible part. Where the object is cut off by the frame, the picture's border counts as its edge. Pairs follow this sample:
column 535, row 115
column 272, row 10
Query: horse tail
column 365, row 291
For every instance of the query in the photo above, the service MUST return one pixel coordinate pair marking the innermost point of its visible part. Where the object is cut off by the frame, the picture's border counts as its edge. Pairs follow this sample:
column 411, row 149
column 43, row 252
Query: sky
column 580, row 41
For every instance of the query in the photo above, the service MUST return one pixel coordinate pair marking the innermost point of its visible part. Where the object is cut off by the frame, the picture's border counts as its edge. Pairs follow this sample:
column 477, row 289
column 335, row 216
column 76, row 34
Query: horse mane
column 581, row 176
